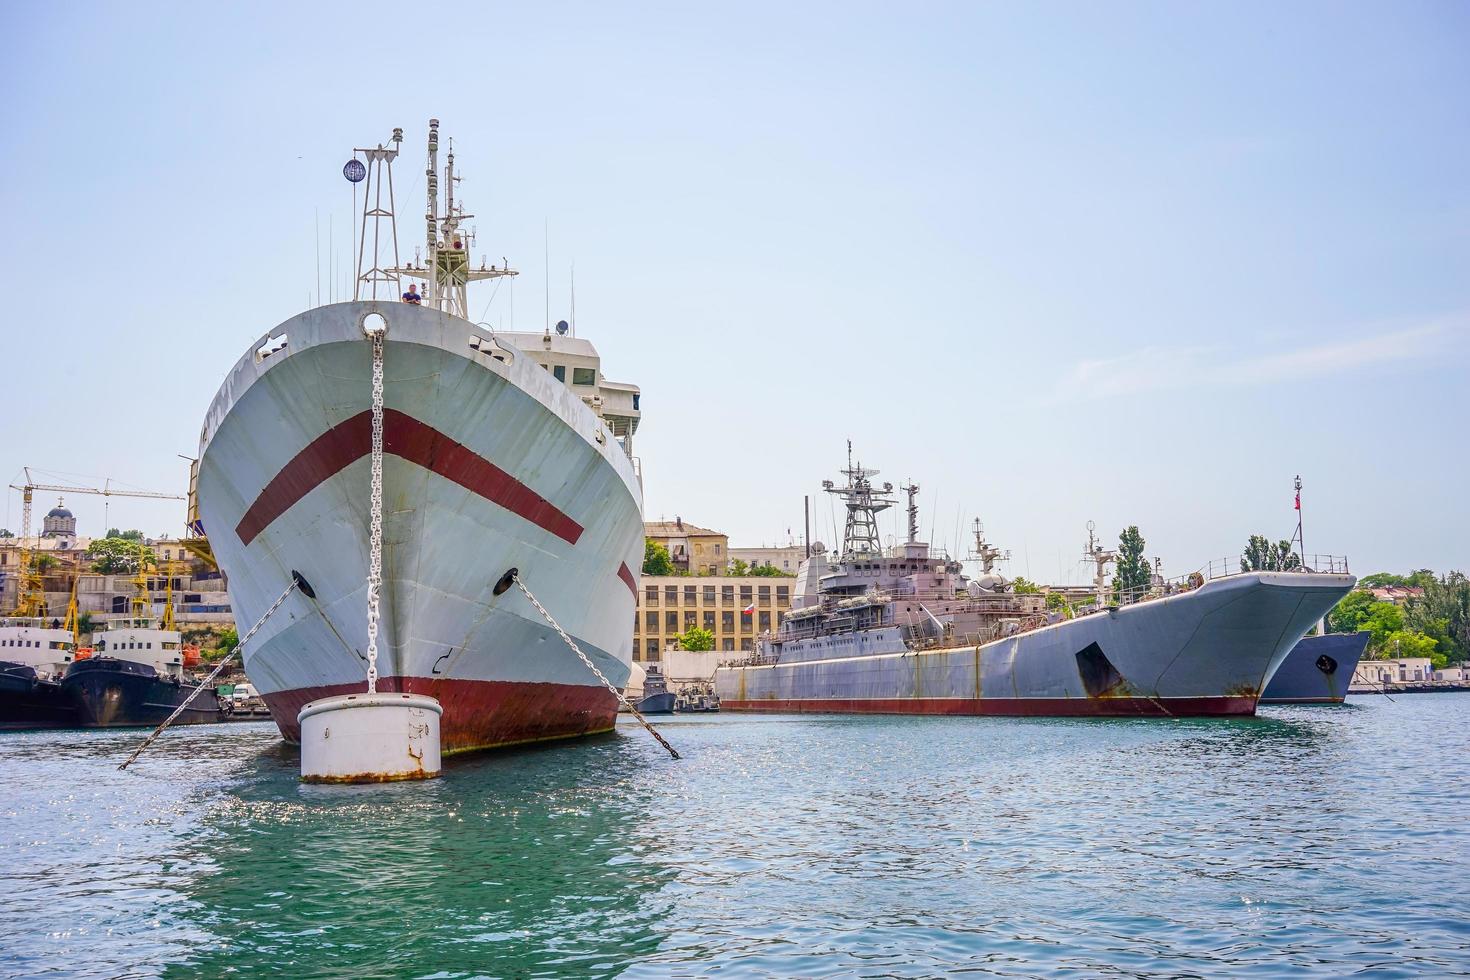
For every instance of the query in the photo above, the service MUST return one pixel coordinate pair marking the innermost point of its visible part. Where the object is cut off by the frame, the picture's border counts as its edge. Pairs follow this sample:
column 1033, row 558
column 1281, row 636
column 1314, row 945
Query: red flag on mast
column 1298, row 500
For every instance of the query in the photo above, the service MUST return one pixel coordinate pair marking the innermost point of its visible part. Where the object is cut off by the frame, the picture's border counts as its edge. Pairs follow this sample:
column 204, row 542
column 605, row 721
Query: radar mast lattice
column 379, row 166
column 860, row 538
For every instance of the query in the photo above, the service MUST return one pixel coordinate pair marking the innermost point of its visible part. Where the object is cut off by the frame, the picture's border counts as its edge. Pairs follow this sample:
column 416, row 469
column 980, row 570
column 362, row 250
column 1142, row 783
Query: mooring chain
column 218, row 668
column 592, row 666
column 375, row 506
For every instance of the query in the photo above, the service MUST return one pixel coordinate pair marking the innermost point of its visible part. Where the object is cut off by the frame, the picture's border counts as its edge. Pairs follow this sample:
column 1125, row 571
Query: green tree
column 132, row 534
column 1056, row 602
column 116, row 556
column 1382, row 580
column 1411, row 643
column 1263, row 556
column 1383, row 620
column 1024, row 586
column 43, row 563
column 697, row 639
column 5, row 532
column 1443, row 612
column 1257, row 557
column 228, row 639
column 1350, row 612
column 769, row 571
column 656, row 559
column 1133, row 576
column 738, row 568
column 85, row 624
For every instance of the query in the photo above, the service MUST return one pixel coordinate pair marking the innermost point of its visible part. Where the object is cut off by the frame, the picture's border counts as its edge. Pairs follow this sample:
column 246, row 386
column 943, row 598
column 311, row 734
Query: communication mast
column 986, row 553
column 912, row 489
column 447, row 272
column 1101, row 558
column 860, row 539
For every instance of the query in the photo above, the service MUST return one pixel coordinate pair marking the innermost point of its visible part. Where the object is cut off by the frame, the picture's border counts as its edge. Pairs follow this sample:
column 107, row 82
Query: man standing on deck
column 412, row 296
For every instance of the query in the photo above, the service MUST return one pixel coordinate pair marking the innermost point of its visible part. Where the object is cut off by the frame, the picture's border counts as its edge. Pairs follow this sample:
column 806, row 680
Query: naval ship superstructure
column 904, row 630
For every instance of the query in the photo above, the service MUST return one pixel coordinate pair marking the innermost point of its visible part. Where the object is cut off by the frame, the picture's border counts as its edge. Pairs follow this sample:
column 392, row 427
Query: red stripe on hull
column 1020, row 707
column 1302, row 700
column 407, row 438
column 478, row 714
column 627, row 577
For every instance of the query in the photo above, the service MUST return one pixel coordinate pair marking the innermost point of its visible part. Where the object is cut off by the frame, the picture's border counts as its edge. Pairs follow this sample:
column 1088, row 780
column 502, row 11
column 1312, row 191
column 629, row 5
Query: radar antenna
column 860, row 539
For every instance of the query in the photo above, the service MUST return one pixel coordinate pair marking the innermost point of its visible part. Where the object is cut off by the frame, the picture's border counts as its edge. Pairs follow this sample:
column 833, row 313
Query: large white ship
column 500, row 451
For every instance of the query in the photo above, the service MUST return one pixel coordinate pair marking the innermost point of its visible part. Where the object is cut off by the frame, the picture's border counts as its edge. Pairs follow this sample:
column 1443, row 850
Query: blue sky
column 1132, row 263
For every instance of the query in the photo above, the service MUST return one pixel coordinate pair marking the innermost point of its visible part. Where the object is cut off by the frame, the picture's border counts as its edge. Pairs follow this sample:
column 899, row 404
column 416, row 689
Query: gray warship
column 1318, row 670
column 906, row 631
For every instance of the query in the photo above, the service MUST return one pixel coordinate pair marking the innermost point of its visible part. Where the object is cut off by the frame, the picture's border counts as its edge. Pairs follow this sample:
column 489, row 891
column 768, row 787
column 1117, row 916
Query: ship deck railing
column 1216, row 568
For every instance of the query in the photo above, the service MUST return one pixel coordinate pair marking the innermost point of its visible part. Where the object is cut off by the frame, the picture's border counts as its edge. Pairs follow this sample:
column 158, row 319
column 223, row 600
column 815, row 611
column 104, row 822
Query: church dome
column 58, row 511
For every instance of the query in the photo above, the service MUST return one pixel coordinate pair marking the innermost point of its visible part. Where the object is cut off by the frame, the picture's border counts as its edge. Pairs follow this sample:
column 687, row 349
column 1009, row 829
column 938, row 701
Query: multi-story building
column 784, row 559
column 669, row 605
column 694, row 550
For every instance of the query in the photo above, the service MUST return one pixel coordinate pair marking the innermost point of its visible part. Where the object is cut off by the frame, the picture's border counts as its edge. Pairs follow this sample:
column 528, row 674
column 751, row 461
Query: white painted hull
column 489, row 466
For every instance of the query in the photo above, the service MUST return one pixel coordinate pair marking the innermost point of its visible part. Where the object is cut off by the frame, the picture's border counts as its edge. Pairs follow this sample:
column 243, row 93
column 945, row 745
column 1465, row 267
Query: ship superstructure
column 906, row 631
column 499, row 451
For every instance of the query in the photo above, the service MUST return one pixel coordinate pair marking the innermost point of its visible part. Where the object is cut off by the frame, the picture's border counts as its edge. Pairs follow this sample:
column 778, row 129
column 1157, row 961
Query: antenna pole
column 431, row 217
column 1299, row 542
column 806, row 511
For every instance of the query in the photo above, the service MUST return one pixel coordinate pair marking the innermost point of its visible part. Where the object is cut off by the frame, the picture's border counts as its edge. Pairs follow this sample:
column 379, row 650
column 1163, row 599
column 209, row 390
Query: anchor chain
column 591, row 666
column 218, row 668
column 375, row 506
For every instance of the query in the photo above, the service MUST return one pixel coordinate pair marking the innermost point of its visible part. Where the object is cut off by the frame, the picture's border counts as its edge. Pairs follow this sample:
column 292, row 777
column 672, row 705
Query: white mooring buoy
column 370, row 738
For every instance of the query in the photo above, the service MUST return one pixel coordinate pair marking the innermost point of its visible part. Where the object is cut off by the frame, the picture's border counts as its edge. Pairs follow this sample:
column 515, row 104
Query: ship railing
column 1216, row 568
column 1321, row 564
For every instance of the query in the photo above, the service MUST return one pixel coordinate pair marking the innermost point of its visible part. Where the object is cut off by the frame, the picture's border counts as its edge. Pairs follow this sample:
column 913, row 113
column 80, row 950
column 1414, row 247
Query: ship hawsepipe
column 490, row 463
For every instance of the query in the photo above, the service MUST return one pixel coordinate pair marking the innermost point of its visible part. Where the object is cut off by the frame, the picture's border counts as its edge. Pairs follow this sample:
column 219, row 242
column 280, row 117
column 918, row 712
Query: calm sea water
column 1310, row 840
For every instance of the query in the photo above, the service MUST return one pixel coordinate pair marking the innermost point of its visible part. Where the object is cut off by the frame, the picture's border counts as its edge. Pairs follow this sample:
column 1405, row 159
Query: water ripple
column 1307, row 841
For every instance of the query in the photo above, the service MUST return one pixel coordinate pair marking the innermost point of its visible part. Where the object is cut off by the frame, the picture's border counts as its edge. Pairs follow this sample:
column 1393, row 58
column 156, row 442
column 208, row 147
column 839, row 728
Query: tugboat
column 657, row 698
column 903, row 631
column 136, row 676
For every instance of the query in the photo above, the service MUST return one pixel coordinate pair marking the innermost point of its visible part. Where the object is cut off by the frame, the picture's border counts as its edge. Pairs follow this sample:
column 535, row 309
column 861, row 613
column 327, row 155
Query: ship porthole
column 374, row 323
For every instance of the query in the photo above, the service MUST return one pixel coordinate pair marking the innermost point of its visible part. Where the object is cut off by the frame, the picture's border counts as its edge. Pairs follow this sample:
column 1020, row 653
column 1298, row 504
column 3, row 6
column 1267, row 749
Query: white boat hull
column 489, row 464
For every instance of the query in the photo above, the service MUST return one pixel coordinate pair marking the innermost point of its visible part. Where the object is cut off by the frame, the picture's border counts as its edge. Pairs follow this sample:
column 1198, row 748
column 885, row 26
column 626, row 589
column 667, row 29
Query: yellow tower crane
column 30, row 600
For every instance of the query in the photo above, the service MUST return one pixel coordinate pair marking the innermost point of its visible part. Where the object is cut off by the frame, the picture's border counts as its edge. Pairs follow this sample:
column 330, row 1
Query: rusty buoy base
column 370, row 738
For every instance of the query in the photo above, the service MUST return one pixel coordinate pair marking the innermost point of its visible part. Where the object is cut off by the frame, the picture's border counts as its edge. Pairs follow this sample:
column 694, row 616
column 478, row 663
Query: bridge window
column 559, row 372
column 584, row 376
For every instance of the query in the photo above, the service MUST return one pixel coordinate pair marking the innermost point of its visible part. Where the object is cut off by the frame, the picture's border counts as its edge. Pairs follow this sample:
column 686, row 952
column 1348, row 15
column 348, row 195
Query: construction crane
column 29, row 599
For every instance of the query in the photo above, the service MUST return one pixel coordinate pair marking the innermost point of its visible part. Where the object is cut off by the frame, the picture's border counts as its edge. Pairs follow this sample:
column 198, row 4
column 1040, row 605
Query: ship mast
column 986, row 553
column 448, row 272
column 1101, row 558
column 912, row 489
column 860, row 539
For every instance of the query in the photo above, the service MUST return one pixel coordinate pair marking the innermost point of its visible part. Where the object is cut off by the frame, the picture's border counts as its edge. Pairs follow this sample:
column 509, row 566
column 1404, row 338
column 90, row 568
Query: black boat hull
column 120, row 693
column 28, row 701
